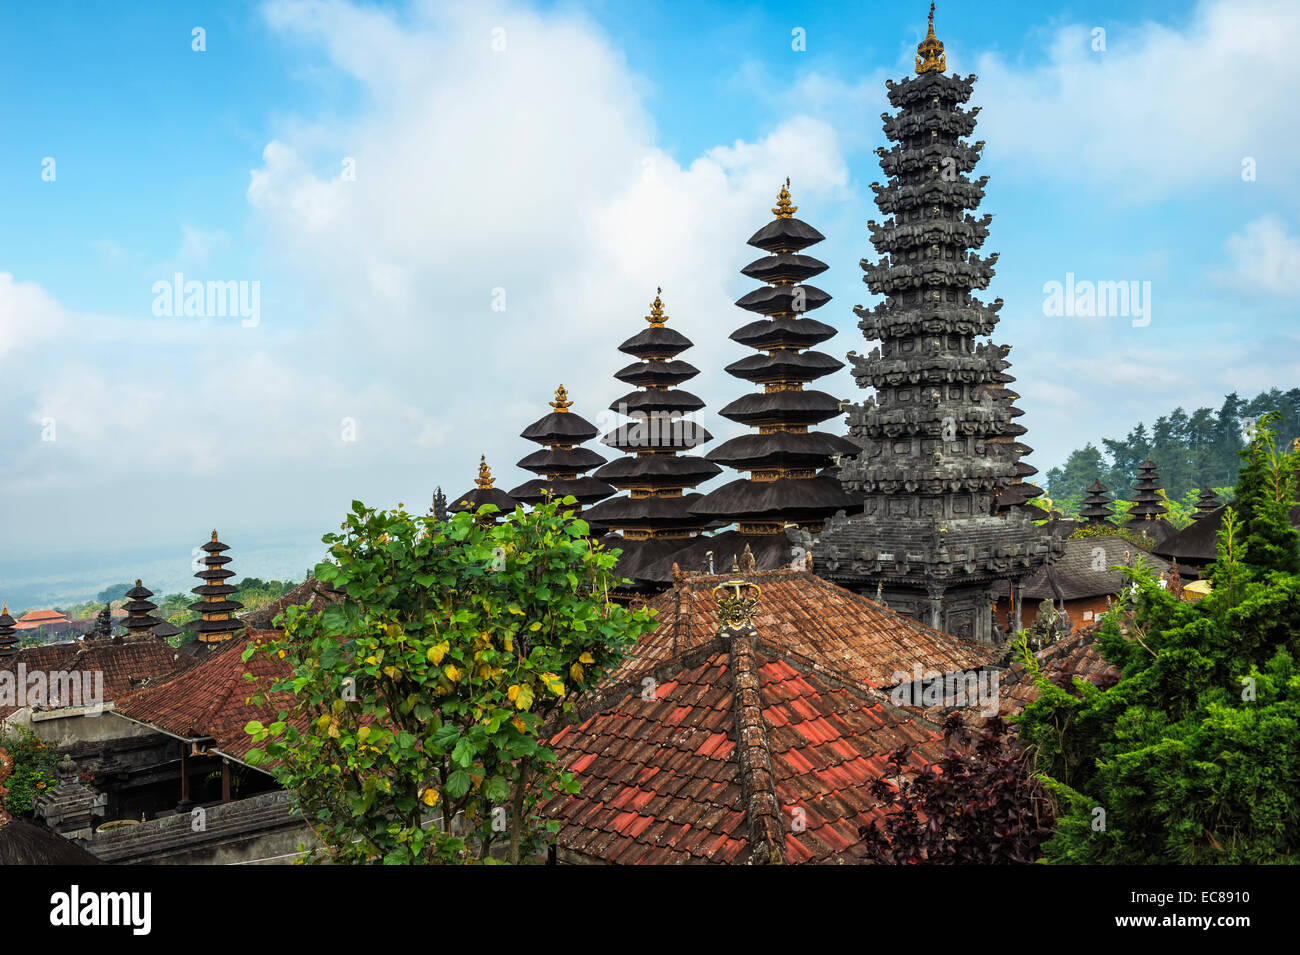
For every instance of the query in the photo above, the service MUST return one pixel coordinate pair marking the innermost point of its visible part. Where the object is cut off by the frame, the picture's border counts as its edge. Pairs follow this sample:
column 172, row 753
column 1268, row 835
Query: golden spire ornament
column 484, row 478
column 929, row 52
column 783, row 208
column 736, row 610
column 561, row 403
column 656, row 318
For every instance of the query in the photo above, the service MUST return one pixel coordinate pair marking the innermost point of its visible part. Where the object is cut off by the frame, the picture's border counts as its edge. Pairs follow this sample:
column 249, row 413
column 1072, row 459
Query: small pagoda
column 784, row 456
column 484, row 492
column 1206, row 503
column 1148, row 504
column 653, row 518
column 1098, row 508
column 938, row 445
column 139, row 611
column 217, row 622
column 8, row 633
column 562, row 462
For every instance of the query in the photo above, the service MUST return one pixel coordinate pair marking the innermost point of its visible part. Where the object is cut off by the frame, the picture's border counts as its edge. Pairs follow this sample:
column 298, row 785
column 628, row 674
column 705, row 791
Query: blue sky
column 607, row 149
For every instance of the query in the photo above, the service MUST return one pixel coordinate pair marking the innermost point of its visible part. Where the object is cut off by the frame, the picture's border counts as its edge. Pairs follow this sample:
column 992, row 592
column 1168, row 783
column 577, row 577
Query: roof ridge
column 754, row 754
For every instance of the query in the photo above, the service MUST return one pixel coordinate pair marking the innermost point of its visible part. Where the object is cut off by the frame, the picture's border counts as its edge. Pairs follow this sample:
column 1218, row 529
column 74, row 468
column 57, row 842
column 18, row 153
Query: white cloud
column 28, row 314
column 1265, row 258
column 536, row 171
column 1160, row 109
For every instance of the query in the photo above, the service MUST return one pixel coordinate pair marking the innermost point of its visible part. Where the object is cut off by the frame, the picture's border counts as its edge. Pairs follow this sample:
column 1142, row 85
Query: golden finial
column 783, row 208
column 929, row 52
column 561, row 403
column 214, row 535
column 736, row 610
column 484, row 478
column 4, row 611
column 656, row 318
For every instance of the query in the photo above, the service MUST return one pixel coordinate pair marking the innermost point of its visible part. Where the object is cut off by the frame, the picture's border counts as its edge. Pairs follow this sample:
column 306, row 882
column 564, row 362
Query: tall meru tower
column 937, row 439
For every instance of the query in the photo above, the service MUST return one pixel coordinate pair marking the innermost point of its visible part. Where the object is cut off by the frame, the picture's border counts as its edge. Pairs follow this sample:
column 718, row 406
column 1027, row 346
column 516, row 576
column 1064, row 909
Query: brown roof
column 1086, row 569
column 757, row 747
column 212, row 698
column 1075, row 656
column 663, row 780
column 812, row 618
column 127, row 664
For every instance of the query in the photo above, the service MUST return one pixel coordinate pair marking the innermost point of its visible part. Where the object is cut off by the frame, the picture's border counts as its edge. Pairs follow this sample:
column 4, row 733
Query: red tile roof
column 663, row 780
column 1061, row 662
column 825, row 624
column 212, row 698
column 126, row 665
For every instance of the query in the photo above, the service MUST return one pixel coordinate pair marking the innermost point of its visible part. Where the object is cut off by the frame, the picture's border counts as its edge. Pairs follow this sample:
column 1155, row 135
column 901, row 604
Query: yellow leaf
column 587, row 658
column 430, row 796
column 452, row 673
column 512, row 692
column 362, row 733
column 575, row 671
column 515, row 610
column 438, row 651
column 520, row 725
column 510, row 644
column 392, row 672
column 535, row 627
column 524, row 698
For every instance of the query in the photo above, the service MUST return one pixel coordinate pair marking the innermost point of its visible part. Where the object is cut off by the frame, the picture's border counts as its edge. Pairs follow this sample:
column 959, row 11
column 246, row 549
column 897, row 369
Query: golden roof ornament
column 214, row 536
column 656, row 318
column 929, row 52
column 561, row 403
column 736, row 610
column 783, row 208
column 484, row 479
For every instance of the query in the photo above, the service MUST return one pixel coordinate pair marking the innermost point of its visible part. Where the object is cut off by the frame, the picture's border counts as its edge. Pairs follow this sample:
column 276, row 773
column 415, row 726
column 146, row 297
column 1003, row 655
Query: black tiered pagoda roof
column 784, row 457
column 938, row 444
column 218, row 622
column 1207, row 503
column 562, row 463
column 139, row 610
column 1097, row 508
column 654, row 517
column 485, row 493
column 8, row 633
column 1147, row 507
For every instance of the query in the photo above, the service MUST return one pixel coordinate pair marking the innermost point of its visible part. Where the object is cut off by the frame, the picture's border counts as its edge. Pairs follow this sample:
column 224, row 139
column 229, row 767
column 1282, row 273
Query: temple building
column 484, row 492
column 1144, row 516
column 938, row 446
column 139, row 610
column 562, row 462
column 1098, row 508
column 217, row 622
column 785, row 488
column 8, row 633
column 653, row 518
column 748, row 727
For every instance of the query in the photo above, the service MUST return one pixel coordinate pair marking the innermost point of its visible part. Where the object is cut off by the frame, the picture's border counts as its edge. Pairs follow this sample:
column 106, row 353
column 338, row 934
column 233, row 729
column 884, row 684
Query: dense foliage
column 1191, row 757
column 1191, row 450
column 978, row 805
column 422, row 696
column 33, row 771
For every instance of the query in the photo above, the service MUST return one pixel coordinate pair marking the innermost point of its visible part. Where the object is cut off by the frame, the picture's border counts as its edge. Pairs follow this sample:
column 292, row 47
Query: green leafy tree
column 1191, row 756
column 33, row 770
column 421, row 701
